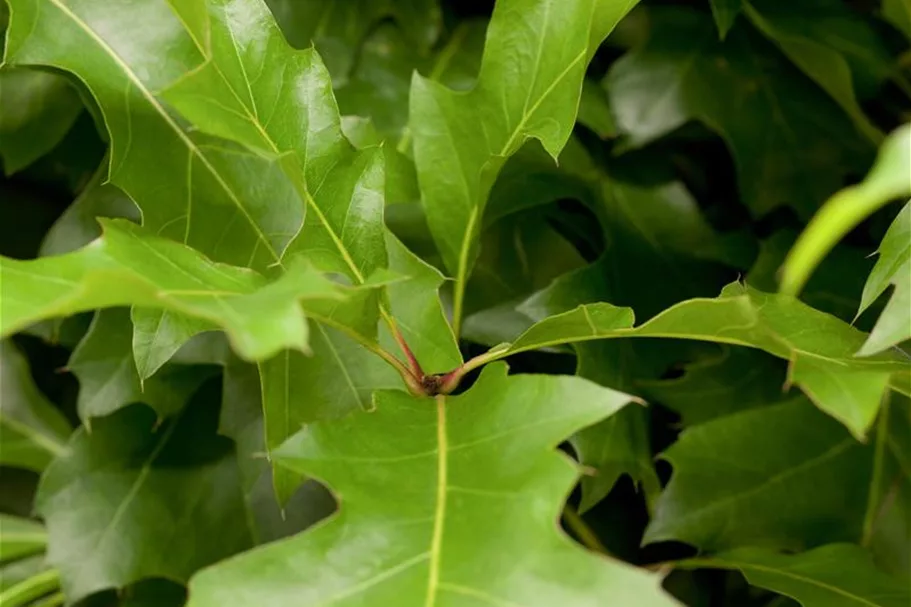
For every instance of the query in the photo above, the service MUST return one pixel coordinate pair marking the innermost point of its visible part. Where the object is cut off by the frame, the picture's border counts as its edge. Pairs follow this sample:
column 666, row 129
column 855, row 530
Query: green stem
column 30, row 589
column 582, row 531
column 882, row 436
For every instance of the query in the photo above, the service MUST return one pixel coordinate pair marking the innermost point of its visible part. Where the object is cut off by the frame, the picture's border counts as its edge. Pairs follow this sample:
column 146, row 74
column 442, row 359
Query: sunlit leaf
column 128, row 267
column 464, row 463
column 32, row 430
column 462, row 139
column 820, row 348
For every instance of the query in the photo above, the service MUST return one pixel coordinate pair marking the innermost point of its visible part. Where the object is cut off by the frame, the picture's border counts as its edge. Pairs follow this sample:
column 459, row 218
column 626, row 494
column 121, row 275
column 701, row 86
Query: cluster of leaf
column 355, row 302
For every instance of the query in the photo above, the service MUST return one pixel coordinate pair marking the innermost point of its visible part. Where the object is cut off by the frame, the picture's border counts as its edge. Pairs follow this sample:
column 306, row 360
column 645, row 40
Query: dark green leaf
column 794, row 128
column 827, row 42
column 837, row 575
column 172, row 500
column 32, row 431
column 732, row 477
column 898, row 14
column 36, row 110
column 725, row 12
column 425, row 517
column 108, row 381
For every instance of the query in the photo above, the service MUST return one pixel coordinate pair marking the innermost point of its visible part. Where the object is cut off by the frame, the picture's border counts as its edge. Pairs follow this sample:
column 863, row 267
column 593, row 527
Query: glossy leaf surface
column 449, row 459
column 129, row 267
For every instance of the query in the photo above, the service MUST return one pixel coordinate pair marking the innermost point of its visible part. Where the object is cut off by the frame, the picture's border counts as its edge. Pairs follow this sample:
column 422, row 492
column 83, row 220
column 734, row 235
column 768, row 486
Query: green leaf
column 819, row 36
column 158, row 335
column 734, row 475
column 735, row 380
column 241, row 420
column 18, row 571
column 463, row 464
column 36, row 111
column 380, row 84
column 172, row 500
column 837, row 575
column 127, row 55
column 108, row 380
column 893, row 267
column 337, row 28
column 255, row 89
column 887, row 180
column 462, row 139
column 129, row 267
column 898, row 14
column 78, row 225
column 794, row 128
column 32, row 430
column 298, row 390
column 20, row 537
column 821, row 359
column 725, row 12
column 595, row 112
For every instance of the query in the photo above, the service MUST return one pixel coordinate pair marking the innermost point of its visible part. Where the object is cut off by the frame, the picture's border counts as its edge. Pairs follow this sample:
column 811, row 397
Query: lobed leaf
column 733, row 475
column 172, row 501
column 528, row 87
column 424, row 518
column 127, row 266
column 820, row 348
column 682, row 73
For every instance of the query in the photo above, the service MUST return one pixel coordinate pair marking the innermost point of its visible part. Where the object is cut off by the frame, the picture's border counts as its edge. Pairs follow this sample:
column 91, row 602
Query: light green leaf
column 887, row 180
column 462, row 139
column 795, row 129
column 725, row 12
column 837, row 575
column 893, row 267
column 20, row 537
column 126, row 54
column 172, row 500
column 108, row 380
column 32, row 430
column 128, row 267
column 36, row 111
column 820, row 348
column 158, row 334
column 462, row 462
column 819, row 36
column 732, row 477
column 297, row 390
column 255, row 89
